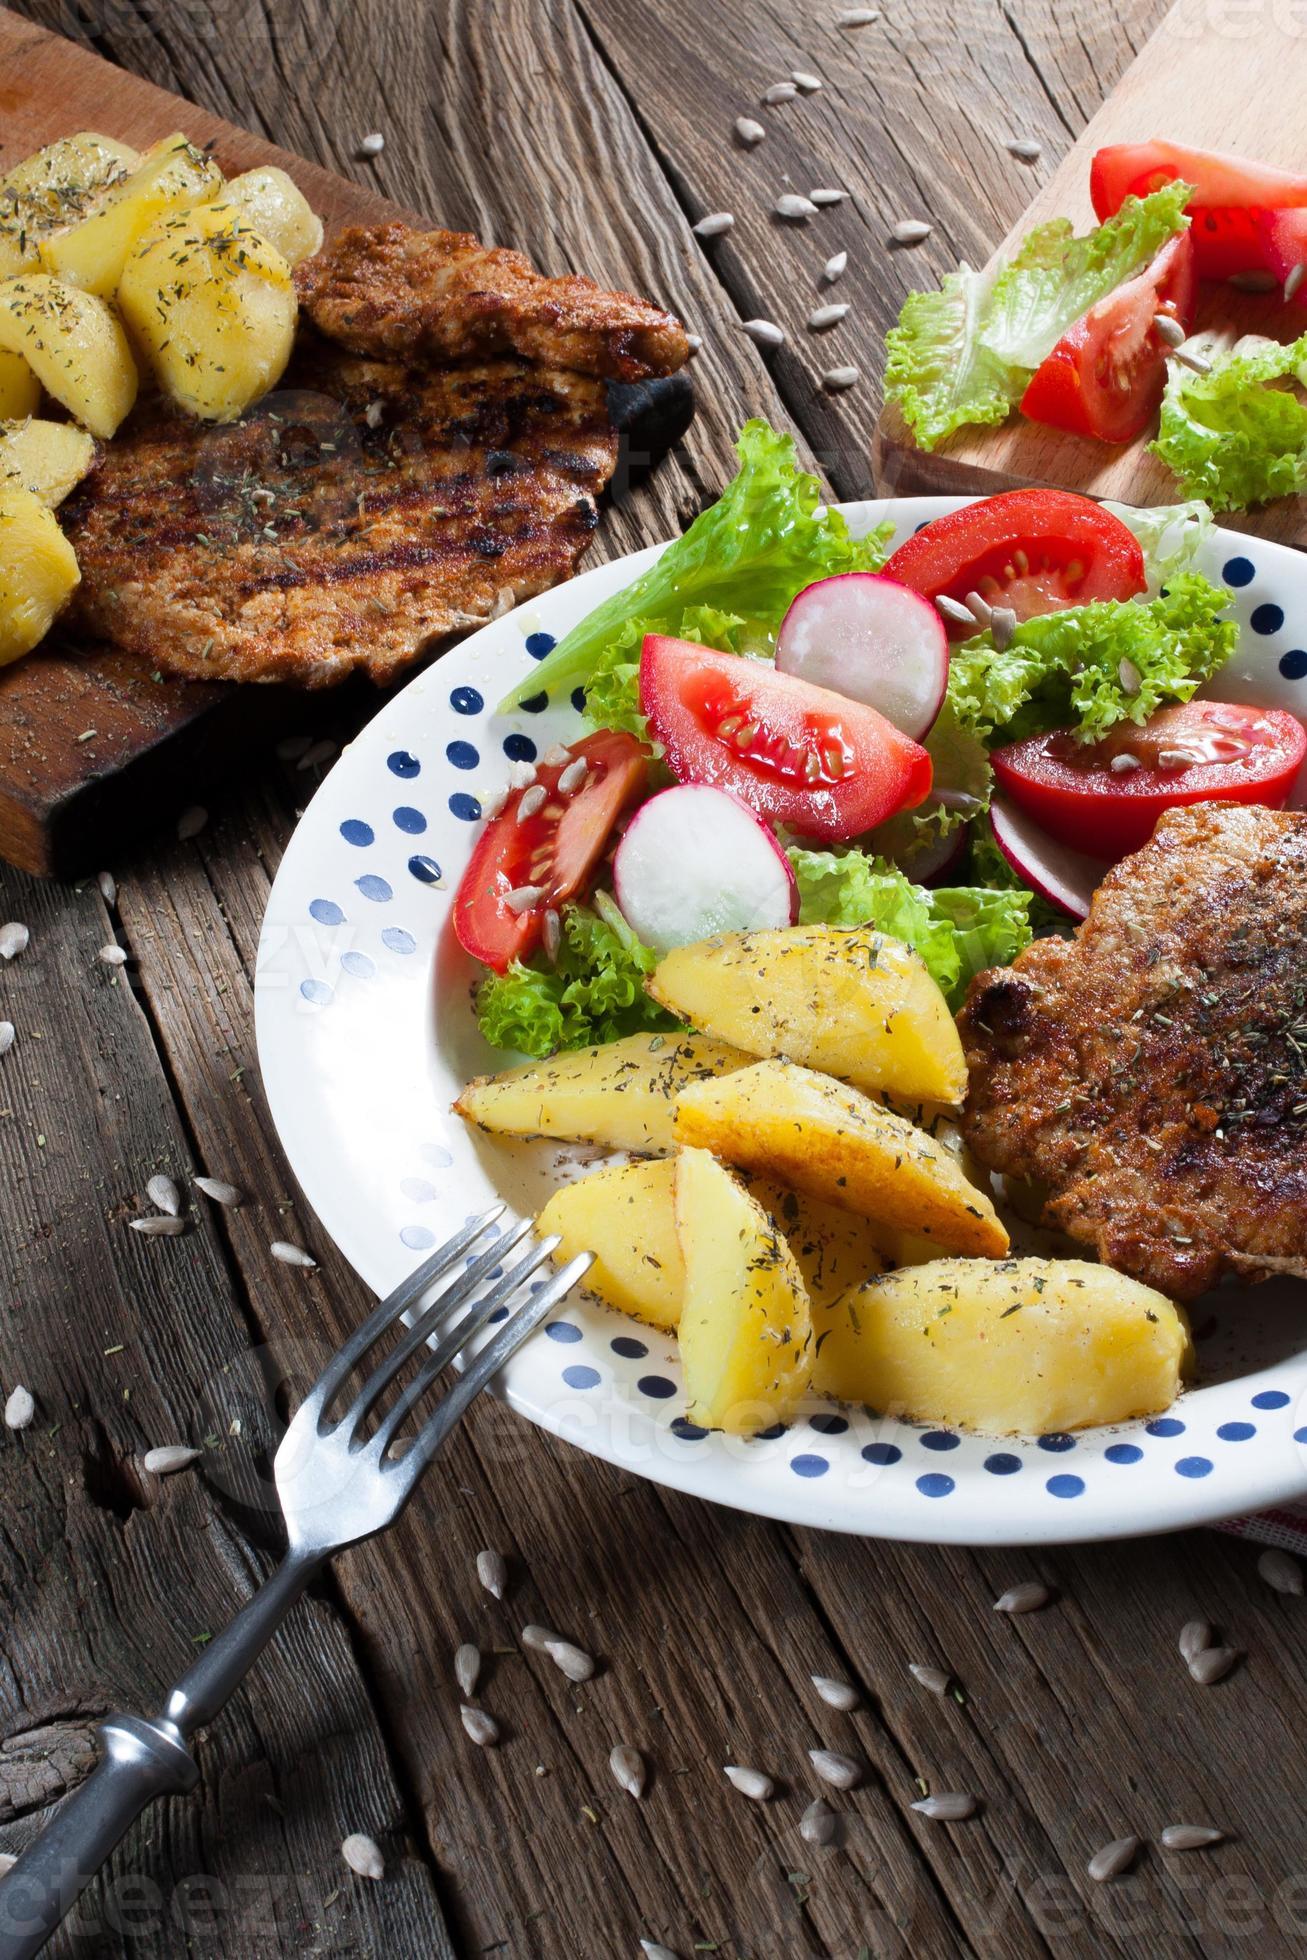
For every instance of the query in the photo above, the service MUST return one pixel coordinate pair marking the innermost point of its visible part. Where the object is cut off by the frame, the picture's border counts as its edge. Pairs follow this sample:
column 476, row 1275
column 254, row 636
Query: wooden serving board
column 1215, row 77
column 67, row 795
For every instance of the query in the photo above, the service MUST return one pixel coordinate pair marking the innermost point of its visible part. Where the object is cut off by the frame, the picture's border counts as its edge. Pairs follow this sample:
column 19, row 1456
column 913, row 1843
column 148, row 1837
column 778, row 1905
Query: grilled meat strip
column 1151, row 1073
column 356, row 515
column 399, row 294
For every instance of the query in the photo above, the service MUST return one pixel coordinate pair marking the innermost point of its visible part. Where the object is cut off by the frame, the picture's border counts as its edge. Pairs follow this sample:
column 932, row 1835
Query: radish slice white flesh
column 870, row 638
column 1066, row 878
column 695, row 861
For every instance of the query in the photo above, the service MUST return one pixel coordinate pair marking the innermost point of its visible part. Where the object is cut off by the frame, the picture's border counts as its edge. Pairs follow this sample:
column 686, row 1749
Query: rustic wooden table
column 593, row 133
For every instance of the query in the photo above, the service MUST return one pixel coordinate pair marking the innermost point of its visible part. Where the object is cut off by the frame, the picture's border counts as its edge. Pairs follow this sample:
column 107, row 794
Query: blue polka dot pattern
column 1236, row 1432
column 316, row 991
column 1271, row 1398
column 396, row 940
column 578, row 699
column 1002, row 1464
column 1123, row 1453
column 326, row 912
column 809, row 1466
column 656, row 1386
column 688, row 1432
column 442, row 1159
column 359, row 965
column 401, row 763
column 934, row 1484
column 1165, row 1426
column 770, row 1435
column 1194, row 1466
column 417, row 1190
column 1237, row 571
column 629, row 1349
column 1065, row 1485
column 1057, row 1441
column 1266, row 619
column 418, row 1238
column 1293, row 664
column 463, row 755
column 828, row 1425
column 464, row 806
column 881, row 1453
column 410, row 821
column 539, row 644
column 374, row 888
column 466, row 701
column 579, row 1376
column 564, row 1331
column 535, row 704
column 355, row 831
column 425, row 869
column 1300, row 1435
column 519, row 748
column 939, row 1439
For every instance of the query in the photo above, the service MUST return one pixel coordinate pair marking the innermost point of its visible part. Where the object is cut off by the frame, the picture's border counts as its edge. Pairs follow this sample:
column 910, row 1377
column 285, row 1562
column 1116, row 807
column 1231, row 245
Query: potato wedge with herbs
column 75, row 347
column 54, row 190
column 212, row 305
column 47, row 458
column 745, row 1333
column 841, row 1147
column 851, row 1003
column 279, row 211
column 833, row 1249
column 1008, row 1347
column 20, row 391
column 626, row 1215
column 38, row 570
column 619, row 1094
column 172, row 175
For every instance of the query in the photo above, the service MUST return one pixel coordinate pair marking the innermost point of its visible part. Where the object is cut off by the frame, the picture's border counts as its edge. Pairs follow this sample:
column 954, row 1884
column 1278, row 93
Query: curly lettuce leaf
column 937, row 366
column 745, row 557
column 1172, row 537
column 594, row 993
column 612, row 694
column 1231, row 436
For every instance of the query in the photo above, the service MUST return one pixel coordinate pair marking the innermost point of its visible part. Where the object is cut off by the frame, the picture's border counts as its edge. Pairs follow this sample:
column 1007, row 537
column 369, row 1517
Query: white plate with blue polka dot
column 366, row 1036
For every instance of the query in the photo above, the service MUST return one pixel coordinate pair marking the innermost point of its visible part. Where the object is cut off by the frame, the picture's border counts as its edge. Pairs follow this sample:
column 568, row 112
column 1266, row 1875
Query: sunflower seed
column 1113, row 1859
column 570, row 1660
column 1212, row 1664
column 14, row 939
column 108, row 886
column 910, row 231
column 750, row 1783
column 841, row 1772
column 808, row 83
column 1196, row 363
column 837, row 379
column 1122, row 764
column 540, row 1639
column 222, row 1194
column 1195, row 1636
column 749, row 131
column 834, row 267
column 1026, row 1598
column 20, row 1408
column 818, row 1822
column 8, row 1859
column 954, row 610
column 827, row 194
column 373, row 145
column 523, row 898
column 628, row 1769
column 791, row 205
column 521, row 775
column 112, row 955
column 191, row 822
column 467, row 1668
column 161, row 1191
column 1254, row 282
column 1294, row 280
column 316, row 754
column 979, row 608
column 1129, row 676
column 1281, row 1571
column 1024, row 148
column 479, row 1727
column 780, row 92
column 574, row 775
column 533, row 799
column 492, row 1571
column 765, row 332
column 363, row 1855
column 652, row 1951
column 157, row 1227
column 1168, row 329
column 694, row 342
column 7, row 1034
column 858, row 17
column 1173, row 758
column 1189, row 1837
column 714, row 224
column 837, row 1694
column 169, row 1458
column 552, row 939
column 291, row 1255
column 1002, row 625
column 934, row 1679
column 950, row 1807
column 827, row 316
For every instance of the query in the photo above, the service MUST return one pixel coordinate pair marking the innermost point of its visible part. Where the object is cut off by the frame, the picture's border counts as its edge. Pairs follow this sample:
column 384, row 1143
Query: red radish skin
column 873, row 639
column 697, row 861
column 1066, row 878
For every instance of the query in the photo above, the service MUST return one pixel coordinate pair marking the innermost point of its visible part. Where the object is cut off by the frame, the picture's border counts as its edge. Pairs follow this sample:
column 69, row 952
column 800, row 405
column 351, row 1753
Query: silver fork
column 336, row 1489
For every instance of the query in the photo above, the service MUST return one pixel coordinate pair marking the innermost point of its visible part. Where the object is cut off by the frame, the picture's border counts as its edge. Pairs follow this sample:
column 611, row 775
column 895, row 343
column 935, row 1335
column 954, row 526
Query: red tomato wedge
column 1034, row 550
column 554, row 850
column 820, row 763
column 1229, row 193
column 1104, row 798
column 1106, row 374
column 1283, row 236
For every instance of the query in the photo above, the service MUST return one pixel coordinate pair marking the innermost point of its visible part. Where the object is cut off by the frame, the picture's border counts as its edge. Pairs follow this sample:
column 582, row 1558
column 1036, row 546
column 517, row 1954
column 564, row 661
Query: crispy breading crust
column 1152, row 1072
column 400, row 294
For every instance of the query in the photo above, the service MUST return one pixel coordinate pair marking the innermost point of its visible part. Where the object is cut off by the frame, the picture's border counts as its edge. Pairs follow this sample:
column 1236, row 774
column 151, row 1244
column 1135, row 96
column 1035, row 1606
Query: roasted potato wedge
column 74, row 345
column 38, row 570
column 853, row 1004
column 833, row 1249
column 55, row 189
column 20, row 391
column 626, row 1215
column 745, row 1332
column 840, row 1146
column 619, row 1095
column 212, row 305
column 1014, row 1346
column 170, row 176
column 279, row 211
column 48, row 458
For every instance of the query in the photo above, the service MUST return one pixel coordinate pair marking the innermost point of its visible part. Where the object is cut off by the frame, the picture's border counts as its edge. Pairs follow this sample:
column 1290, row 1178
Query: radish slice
column 1066, row 878
column 695, row 861
column 870, row 638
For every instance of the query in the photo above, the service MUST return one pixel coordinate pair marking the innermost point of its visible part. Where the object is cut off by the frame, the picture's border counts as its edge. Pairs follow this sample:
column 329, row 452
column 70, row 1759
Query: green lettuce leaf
column 939, row 369
column 612, row 694
column 1171, row 536
column 742, row 559
column 1232, row 437
column 595, row 992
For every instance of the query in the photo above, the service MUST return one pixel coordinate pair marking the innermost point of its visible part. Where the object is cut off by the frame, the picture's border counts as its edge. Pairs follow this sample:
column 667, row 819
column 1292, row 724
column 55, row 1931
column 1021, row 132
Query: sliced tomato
column 1283, row 237
column 1106, row 374
column 1104, row 798
column 818, row 762
column 1034, row 550
column 555, row 849
column 1229, row 193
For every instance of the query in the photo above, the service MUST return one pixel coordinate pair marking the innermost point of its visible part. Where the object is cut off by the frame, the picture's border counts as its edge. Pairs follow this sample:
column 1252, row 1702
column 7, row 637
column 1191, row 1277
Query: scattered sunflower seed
column 834, row 267
column 979, row 608
column 910, row 231
column 161, row 1191
column 1113, row 1859
column 222, row 1194
column 1281, row 1571
column 158, row 1227
column 949, row 1807
column 533, row 799
column 363, row 1855
column 169, row 1458
column 1129, row 676
column 479, row 1727
column 837, row 379
column 780, row 92
column 556, row 756
column 1122, row 764
column 1196, row 363
column 1189, row 1837
column 1024, row 148
column 1002, row 625
column 808, row 83
column 8, row 1859
column 191, row 822
column 541, row 1639
column 791, row 205
column 1173, row 758
column 373, row 145
column 652, row 1951
column 467, row 1668
column 521, row 775
column 1294, row 280
column 1257, row 281
column 818, row 1822
column 953, row 609
column 858, row 17
column 291, row 1255
column 765, row 332
column 108, row 886
column 112, row 955
column 934, row 1679
column 1168, row 329
column 570, row 1660
column 552, row 938
column 841, row 1772
column 751, row 1783
column 837, row 1694
column 694, row 341
column 827, row 316
column 714, row 224
column 1195, row 1636
column 492, row 804
column 316, row 754
column 826, row 194
column 492, row 1571
column 628, row 1769
column 573, row 776
column 14, row 939
column 749, row 131
column 1026, row 1598
column 523, row 898
column 1212, row 1664
column 7, row 1036
column 20, row 1408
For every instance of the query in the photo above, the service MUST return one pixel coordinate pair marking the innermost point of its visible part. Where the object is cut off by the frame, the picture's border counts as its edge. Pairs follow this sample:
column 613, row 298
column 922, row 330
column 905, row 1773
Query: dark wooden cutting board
column 91, row 745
